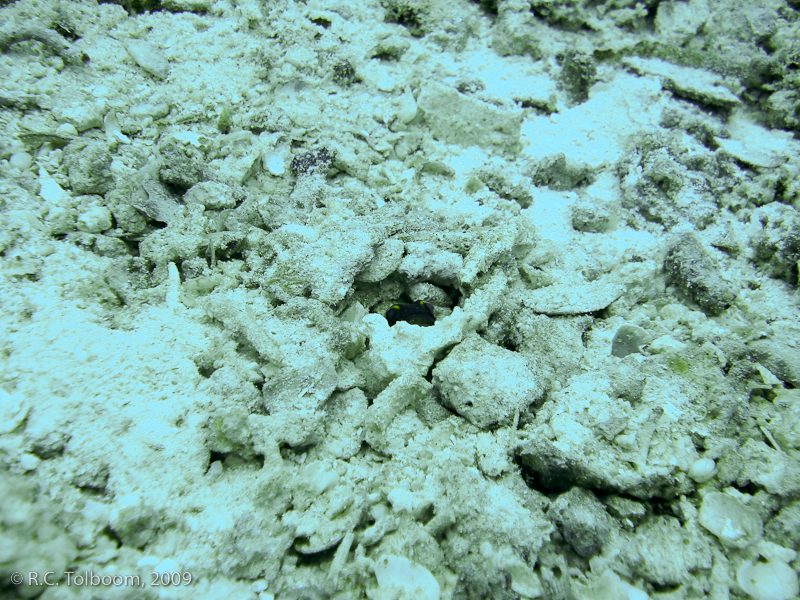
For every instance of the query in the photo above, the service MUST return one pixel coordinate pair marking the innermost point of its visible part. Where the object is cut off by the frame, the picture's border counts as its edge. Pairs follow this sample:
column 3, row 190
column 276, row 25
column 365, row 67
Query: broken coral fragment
column 487, row 384
column 403, row 579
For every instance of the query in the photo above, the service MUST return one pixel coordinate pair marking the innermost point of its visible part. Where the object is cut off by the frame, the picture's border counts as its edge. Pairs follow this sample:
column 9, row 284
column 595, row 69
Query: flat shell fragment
column 154, row 201
column 566, row 299
column 13, row 410
column 458, row 119
column 693, row 84
column 148, row 57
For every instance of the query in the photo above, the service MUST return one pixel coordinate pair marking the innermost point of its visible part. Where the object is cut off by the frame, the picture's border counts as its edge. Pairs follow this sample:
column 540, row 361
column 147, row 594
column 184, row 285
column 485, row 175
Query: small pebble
column 20, row 160
column 66, row 130
column 28, row 462
column 95, row 220
column 408, row 108
column 702, row 470
column 274, row 163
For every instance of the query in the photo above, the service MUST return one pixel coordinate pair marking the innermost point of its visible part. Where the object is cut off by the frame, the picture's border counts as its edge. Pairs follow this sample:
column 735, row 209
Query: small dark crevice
column 534, row 481
column 177, row 191
column 136, row 7
column 229, row 459
column 751, row 489
column 490, row 7
column 206, row 371
column 66, row 33
column 665, row 588
column 216, row 456
column 427, row 515
column 314, row 559
column 293, row 454
column 509, row 344
column 387, row 55
column 322, row 22
column 112, row 535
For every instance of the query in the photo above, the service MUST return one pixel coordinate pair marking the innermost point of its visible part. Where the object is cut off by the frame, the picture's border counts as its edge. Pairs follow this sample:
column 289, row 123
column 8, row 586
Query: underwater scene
column 399, row 299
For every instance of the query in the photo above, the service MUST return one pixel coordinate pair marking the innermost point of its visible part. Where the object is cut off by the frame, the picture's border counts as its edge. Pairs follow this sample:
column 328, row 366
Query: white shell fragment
column 405, row 579
column 573, row 299
column 148, row 57
column 49, row 188
column 111, row 127
column 768, row 581
column 734, row 523
column 274, row 163
column 686, row 82
column 755, row 145
column 13, row 410
column 408, row 108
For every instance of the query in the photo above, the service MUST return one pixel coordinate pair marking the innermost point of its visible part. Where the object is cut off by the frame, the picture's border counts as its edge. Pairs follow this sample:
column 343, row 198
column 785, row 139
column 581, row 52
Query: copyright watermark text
column 91, row 579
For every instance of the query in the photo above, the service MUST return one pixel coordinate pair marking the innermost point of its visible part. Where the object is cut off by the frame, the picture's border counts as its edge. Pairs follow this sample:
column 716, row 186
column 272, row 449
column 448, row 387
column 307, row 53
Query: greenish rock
column 225, row 120
column 578, row 73
column 689, row 266
column 664, row 552
column 678, row 365
column 628, row 340
column 386, row 260
column 784, row 528
column 89, row 167
column 777, row 245
column 582, row 520
column 516, row 34
column 432, row 167
column 658, row 185
column 430, row 293
column 781, row 359
column 517, row 191
column 458, row 119
column 782, row 108
column 627, row 380
column 591, row 217
column 774, row 470
column 426, row 262
column 408, row 13
column 31, row 538
column 625, row 508
column 182, row 163
column 390, row 49
column 135, row 525
column 344, row 74
column 555, row 172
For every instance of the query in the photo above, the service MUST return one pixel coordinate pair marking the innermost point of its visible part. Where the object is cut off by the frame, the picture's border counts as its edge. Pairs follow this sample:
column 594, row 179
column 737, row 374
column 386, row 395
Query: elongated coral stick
column 48, row 37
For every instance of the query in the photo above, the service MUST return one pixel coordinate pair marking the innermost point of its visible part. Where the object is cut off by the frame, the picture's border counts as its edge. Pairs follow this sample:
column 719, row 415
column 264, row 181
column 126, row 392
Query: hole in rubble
column 232, row 460
column 313, row 559
column 554, row 483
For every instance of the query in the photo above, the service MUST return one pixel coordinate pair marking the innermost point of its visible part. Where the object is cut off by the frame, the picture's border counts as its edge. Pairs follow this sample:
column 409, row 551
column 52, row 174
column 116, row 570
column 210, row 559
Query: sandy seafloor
column 208, row 208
